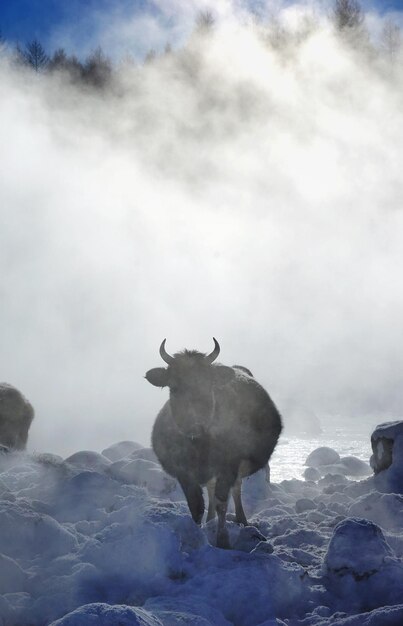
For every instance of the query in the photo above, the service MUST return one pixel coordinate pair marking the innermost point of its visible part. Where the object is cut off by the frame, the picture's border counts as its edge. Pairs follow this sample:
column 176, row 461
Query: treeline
column 97, row 70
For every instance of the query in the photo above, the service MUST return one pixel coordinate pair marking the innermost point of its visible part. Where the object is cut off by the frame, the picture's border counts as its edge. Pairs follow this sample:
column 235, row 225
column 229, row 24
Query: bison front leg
column 194, row 497
column 222, row 490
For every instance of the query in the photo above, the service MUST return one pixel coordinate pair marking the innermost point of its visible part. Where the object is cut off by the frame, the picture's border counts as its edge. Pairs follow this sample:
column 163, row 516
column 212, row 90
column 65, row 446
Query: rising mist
column 246, row 185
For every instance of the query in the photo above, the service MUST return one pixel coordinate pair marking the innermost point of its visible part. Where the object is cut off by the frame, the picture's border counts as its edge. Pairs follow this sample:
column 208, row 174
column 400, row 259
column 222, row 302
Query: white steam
column 229, row 189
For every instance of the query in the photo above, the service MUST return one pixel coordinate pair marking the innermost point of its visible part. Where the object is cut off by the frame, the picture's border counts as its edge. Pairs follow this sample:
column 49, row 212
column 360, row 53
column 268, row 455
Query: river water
column 344, row 436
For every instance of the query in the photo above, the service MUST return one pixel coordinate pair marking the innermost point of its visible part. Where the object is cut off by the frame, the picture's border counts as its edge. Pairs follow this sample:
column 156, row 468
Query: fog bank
column 234, row 189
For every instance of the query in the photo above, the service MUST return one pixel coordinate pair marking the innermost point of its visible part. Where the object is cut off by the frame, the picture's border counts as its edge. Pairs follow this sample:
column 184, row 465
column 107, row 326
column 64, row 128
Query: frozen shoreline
column 81, row 543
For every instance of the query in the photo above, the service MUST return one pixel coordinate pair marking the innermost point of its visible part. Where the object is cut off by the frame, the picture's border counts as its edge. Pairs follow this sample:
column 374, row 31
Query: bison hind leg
column 225, row 481
column 246, row 468
column 211, row 513
column 240, row 516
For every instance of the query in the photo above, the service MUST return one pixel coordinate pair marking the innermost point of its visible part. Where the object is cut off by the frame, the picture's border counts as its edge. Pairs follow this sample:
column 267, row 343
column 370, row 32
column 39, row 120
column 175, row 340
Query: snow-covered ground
column 105, row 538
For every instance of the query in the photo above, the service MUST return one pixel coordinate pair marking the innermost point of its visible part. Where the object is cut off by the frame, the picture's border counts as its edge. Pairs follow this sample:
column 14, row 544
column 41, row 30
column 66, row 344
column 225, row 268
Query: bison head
column 192, row 379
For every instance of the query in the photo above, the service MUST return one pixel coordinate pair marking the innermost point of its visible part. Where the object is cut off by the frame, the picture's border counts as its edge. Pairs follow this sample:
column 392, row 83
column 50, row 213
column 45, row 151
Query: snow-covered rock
column 322, row 456
column 332, row 479
column 193, row 611
column 121, row 450
column 248, row 539
column 387, row 457
column 345, row 551
column 255, row 489
column 355, row 467
column 382, row 440
column 300, row 537
column 385, row 509
column 144, row 473
column 385, row 616
column 144, row 453
column 100, row 614
column 361, row 568
column 12, row 576
column 246, row 588
column 304, row 504
column 311, row 473
column 87, row 459
column 27, row 534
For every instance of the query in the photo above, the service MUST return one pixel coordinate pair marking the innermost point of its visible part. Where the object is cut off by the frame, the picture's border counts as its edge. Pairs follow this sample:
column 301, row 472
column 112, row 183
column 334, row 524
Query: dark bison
column 16, row 415
column 218, row 426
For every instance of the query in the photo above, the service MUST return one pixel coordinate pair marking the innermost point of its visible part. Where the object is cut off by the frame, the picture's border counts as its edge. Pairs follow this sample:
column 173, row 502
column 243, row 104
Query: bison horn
column 212, row 357
column 164, row 354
